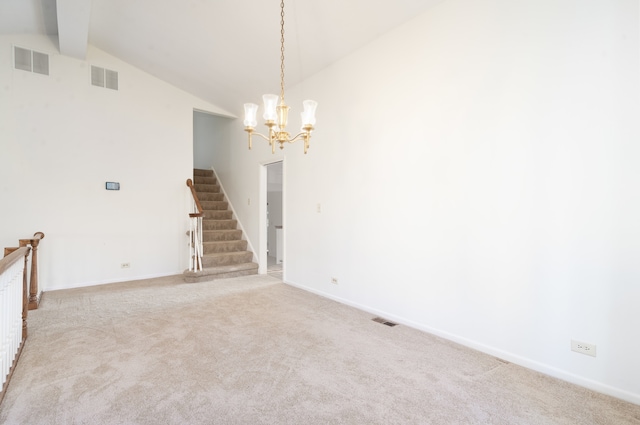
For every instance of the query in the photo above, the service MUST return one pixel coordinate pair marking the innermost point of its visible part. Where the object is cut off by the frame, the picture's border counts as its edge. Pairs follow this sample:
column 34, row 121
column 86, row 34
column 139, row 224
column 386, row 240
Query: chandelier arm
column 261, row 135
column 299, row 136
column 272, row 139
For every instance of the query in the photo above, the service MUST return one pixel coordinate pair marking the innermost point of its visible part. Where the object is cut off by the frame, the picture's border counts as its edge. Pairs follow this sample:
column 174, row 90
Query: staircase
column 224, row 251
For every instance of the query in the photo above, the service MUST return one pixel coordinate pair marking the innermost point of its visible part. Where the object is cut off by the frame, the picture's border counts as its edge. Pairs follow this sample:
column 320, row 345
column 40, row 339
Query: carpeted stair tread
column 210, row 196
column 226, row 258
column 224, row 246
column 207, row 188
column 218, row 215
column 221, row 235
column 205, row 180
column 214, row 205
column 221, row 272
column 200, row 172
column 219, row 224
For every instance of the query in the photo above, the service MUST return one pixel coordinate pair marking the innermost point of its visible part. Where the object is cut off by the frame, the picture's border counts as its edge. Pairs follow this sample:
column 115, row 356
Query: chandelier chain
column 282, row 51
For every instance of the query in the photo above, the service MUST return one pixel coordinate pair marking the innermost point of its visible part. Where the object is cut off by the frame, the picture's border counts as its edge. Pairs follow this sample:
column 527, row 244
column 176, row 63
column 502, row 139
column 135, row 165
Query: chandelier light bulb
column 250, row 112
column 309, row 113
column 270, row 104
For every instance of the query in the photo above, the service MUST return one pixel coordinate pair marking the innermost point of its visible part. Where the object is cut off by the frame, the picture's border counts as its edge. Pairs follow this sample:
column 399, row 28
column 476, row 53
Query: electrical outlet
column 125, row 265
column 583, row 348
column 334, row 280
column 319, row 207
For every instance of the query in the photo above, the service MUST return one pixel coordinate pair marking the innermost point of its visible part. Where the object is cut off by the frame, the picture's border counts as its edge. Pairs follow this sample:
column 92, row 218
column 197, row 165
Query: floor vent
column 384, row 321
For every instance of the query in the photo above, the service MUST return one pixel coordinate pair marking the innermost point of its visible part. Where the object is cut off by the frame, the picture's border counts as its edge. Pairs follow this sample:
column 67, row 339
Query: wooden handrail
column 11, row 258
column 200, row 212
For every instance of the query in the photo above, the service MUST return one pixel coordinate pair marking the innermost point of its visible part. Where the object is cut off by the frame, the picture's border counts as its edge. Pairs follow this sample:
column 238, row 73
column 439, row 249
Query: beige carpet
column 253, row 350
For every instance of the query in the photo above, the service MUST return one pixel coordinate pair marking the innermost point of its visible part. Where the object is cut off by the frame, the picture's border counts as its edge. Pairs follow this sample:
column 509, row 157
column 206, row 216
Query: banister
column 11, row 342
column 11, row 258
column 200, row 212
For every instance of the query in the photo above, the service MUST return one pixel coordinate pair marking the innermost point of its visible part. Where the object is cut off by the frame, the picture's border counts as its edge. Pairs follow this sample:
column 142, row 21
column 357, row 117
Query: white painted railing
column 195, row 238
column 13, row 311
column 195, row 231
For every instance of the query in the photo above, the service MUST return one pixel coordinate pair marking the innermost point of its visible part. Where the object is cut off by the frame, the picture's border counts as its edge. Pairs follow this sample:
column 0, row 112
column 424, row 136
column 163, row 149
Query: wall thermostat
column 113, row 186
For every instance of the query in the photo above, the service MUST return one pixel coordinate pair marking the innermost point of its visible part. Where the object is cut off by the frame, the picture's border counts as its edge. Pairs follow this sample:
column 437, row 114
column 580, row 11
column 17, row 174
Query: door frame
column 262, row 216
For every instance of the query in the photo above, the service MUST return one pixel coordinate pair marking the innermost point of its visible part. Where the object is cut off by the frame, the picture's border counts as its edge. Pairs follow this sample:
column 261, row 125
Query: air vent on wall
column 29, row 60
column 102, row 77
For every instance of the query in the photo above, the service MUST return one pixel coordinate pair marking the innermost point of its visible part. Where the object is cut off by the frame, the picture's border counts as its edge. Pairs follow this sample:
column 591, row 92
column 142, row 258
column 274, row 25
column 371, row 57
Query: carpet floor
column 253, row 350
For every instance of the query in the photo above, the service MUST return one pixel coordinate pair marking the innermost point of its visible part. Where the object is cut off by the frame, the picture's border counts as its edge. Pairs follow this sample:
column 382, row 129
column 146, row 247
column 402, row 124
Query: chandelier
column 276, row 114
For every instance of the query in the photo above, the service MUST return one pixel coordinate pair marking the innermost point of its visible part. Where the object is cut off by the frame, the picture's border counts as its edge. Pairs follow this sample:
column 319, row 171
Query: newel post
column 34, row 299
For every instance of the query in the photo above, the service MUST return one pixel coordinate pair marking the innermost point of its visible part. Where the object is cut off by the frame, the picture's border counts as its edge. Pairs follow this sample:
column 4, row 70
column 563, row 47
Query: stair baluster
column 195, row 231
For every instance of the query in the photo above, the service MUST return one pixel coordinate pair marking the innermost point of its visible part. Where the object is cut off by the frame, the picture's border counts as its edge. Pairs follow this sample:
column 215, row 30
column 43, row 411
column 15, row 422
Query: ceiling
column 224, row 51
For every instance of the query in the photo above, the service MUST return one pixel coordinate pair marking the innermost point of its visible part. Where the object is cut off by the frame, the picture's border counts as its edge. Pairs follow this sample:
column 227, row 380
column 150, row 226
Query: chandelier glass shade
column 276, row 111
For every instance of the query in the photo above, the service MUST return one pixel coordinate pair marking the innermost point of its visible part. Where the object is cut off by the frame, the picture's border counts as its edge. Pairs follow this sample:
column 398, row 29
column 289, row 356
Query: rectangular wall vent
column 29, row 60
column 111, row 79
column 22, row 58
column 101, row 77
column 40, row 63
column 97, row 76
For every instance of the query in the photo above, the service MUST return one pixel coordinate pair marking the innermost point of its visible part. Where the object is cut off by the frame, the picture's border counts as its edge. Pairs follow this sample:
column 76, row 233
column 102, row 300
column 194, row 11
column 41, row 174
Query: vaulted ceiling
column 224, row 51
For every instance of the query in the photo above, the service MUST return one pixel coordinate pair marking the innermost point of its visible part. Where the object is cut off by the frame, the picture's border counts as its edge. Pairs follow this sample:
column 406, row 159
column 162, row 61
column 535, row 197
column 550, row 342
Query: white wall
column 477, row 171
column 208, row 131
column 61, row 139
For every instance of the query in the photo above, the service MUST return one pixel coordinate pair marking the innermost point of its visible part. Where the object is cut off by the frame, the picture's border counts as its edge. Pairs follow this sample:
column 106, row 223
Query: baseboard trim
column 501, row 354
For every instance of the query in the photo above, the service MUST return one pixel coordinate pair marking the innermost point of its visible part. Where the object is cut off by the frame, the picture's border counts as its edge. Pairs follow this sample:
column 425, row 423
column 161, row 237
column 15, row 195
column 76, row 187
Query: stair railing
column 34, row 290
column 195, row 231
column 13, row 311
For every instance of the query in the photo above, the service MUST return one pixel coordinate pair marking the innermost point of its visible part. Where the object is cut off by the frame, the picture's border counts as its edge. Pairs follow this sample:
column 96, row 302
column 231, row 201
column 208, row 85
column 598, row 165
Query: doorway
column 209, row 132
column 274, row 219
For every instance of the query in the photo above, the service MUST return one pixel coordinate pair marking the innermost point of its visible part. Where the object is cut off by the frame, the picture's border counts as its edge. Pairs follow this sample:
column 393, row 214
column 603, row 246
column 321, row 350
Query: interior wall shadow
column 49, row 12
column 209, row 131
